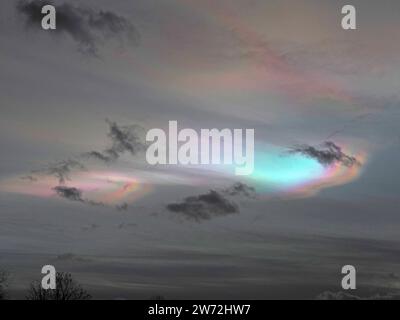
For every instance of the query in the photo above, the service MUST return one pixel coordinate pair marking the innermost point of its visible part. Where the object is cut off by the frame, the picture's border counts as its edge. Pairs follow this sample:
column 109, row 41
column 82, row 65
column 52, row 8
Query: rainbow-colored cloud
column 277, row 171
column 105, row 187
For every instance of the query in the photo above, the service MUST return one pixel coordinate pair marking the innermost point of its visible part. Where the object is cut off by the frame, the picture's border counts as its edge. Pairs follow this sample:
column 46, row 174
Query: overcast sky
column 126, row 229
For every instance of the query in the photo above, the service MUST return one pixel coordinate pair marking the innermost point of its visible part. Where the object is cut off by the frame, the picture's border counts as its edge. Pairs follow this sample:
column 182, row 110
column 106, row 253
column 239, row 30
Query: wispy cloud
column 240, row 189
column 74, row 194
column 61, row 170
column 87, row 27
column 204, row 206
column 123, row 139
column 327, row 153
column 69, row 193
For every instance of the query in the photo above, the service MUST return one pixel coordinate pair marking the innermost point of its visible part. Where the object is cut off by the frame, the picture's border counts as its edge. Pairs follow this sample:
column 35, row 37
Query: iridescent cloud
column 106, row 187
column 277, row 171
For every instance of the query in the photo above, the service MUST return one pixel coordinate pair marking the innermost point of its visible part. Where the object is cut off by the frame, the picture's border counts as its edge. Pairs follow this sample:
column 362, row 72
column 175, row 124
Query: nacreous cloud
column 88, row 28
column 204, row 206
column 326, row 154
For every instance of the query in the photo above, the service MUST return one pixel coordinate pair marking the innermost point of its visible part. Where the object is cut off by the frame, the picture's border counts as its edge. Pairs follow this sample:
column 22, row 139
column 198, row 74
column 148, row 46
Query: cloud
column 69, row 193
column 61, row 170
column 74, row 194
column 87, row 27
column 204, row 206
column 327, row 154
column 240, row 189
column 98, row 155
column 340, row 295
column 123, row 139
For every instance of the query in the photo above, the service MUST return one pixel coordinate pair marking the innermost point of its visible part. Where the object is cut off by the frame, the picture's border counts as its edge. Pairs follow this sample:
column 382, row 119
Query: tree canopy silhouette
column 66, row 289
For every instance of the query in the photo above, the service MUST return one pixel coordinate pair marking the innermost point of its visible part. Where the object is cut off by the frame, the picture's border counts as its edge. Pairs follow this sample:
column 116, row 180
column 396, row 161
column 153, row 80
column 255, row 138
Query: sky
column 76, row 190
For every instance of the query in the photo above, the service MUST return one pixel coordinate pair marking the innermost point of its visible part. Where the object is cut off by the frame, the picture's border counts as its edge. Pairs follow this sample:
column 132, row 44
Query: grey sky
column 284, row 68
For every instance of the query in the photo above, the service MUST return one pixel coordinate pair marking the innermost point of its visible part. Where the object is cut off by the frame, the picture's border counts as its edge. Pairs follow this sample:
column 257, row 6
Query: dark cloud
column 61, row 170
column 69, row 193
column 74, row 194
column 123, row 139
column 327, row 153
column 98, row 155
column 240, row 189
column 340, row 295
column 87, row 27
column 204, row 206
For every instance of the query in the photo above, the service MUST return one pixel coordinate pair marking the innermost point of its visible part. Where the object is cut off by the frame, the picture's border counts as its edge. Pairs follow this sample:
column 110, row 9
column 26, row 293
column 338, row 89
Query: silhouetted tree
column 3, row 285
column 66, row 289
